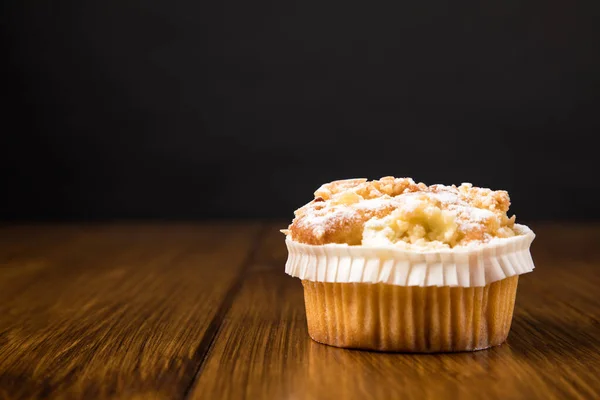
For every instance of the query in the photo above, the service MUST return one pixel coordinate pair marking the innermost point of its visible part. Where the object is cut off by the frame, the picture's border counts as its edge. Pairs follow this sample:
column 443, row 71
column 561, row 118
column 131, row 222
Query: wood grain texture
column 178, row 311
column 112, row 311
column 553, row 352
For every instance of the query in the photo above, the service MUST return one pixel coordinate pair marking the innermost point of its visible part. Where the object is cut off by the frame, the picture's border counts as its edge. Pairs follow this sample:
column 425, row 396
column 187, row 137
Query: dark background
column 200, row 109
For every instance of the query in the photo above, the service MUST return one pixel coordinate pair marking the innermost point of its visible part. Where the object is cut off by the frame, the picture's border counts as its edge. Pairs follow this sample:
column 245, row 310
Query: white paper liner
column 464, row 267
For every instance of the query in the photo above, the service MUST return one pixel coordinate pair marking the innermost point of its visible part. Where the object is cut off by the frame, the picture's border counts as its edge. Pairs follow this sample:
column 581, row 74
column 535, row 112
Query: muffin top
column 402, row 213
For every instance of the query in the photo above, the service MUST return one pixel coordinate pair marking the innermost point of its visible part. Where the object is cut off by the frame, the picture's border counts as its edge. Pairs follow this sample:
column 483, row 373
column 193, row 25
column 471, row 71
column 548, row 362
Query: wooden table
column 205, row 311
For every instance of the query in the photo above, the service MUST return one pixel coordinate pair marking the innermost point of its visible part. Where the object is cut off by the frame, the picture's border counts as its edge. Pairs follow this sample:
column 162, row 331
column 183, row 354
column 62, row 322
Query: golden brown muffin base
column 410, row 318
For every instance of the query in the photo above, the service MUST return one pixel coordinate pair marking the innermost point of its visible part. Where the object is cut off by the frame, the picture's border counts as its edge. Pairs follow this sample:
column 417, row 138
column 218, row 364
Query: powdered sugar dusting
column 402, row 212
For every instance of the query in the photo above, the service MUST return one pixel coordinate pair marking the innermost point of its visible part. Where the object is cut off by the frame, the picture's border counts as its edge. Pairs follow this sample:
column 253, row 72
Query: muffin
column 394, row 265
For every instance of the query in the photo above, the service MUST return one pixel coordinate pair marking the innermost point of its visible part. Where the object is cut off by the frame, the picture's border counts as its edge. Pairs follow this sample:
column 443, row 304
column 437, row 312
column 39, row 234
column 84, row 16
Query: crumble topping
column 402, row 213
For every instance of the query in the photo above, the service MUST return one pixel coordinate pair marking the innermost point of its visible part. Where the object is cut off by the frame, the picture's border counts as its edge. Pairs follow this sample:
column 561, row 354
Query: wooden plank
column 112, row 311
column 263, row 350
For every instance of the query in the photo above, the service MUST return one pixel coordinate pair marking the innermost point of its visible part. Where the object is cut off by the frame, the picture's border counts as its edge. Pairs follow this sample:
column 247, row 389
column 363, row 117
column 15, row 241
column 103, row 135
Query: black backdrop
column 195, row 109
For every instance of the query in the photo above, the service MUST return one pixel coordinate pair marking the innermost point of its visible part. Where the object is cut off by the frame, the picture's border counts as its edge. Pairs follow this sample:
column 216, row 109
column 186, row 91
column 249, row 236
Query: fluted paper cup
column 391, row 299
